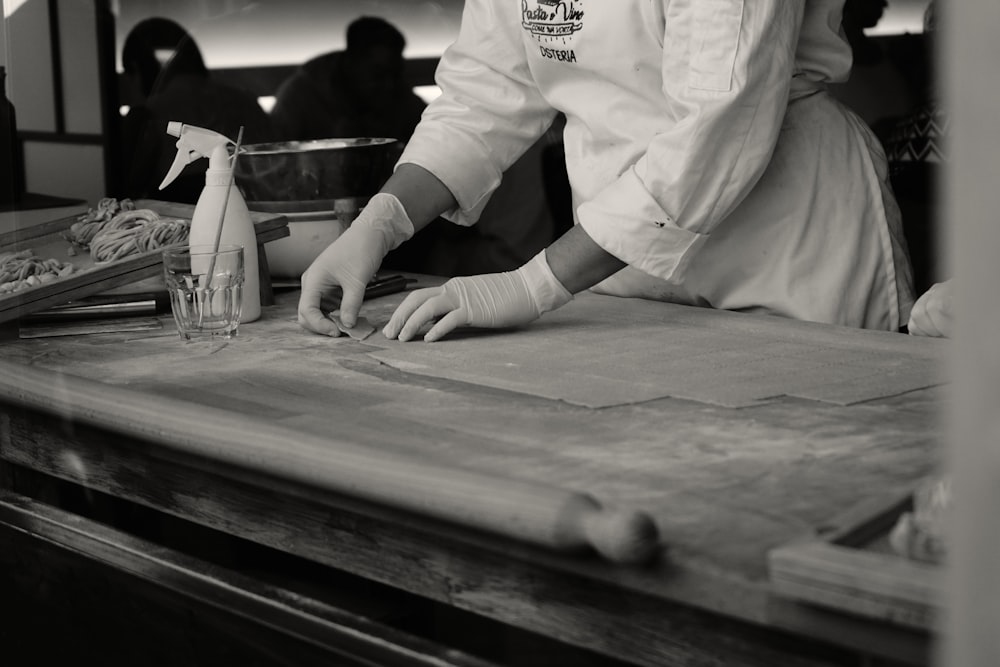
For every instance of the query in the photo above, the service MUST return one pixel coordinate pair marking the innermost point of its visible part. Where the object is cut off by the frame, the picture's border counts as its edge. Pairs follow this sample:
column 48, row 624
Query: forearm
column 421, row 193
column 578, row 262
column 575, row 259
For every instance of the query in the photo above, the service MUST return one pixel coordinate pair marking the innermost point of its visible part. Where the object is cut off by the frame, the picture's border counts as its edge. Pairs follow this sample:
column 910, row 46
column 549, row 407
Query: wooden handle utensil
column 546, row 516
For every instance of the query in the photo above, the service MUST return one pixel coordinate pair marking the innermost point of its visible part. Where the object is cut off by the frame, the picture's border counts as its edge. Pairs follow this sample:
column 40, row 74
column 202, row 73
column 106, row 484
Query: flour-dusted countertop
column 726, row 477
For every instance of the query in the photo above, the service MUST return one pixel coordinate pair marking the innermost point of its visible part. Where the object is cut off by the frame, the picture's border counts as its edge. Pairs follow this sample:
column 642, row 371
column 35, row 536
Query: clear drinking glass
column 206, row 290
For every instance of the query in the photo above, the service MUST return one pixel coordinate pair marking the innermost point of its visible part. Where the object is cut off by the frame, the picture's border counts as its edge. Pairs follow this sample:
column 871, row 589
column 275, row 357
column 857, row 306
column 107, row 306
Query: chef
column 708, row 166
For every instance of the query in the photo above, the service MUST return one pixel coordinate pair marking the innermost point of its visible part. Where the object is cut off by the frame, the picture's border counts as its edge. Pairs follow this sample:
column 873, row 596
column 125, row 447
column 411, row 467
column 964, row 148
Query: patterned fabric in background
column 919, row 137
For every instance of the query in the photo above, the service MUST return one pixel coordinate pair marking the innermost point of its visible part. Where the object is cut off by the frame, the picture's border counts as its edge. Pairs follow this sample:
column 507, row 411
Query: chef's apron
column 796, row 248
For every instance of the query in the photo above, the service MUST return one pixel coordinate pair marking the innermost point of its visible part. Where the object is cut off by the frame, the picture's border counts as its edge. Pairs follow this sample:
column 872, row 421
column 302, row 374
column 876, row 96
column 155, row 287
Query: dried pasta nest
column 83, row 231
column 21, row 270
column 116, row 228
column 135, row 232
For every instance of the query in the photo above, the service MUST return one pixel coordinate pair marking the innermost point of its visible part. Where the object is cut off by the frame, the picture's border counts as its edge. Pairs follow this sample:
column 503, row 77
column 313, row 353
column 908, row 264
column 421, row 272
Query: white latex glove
column 351, row 261
column 490, row 300
column 932, row 313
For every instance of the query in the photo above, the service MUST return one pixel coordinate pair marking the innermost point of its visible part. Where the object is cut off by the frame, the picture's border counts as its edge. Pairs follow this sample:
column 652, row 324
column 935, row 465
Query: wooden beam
column 269, row 618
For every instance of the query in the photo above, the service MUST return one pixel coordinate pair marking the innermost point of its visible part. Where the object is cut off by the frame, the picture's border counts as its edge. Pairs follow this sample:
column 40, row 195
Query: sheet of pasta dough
column 601, row 351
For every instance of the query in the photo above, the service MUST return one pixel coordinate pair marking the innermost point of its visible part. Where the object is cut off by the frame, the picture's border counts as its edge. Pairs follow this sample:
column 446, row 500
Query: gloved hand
column 932, row 313
column 490, row 300
column 351, row 261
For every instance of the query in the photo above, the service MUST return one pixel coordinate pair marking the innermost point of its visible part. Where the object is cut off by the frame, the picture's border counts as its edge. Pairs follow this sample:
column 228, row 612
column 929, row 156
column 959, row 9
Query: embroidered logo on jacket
column 553, row 24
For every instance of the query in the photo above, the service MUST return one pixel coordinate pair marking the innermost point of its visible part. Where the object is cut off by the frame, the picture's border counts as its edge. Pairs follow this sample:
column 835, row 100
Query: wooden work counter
column 723, row 485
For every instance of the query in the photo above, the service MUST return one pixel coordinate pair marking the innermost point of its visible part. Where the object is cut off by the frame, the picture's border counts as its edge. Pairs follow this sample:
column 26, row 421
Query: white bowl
column 308, row 235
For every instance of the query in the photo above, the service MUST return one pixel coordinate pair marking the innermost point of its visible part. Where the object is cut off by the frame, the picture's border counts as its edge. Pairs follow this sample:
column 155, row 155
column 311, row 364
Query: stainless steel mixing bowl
column 321, row 175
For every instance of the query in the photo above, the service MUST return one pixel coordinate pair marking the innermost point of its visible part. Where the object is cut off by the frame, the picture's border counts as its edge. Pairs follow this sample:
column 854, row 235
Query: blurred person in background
column 170, row 82
column 882, row 85
column 357, row 92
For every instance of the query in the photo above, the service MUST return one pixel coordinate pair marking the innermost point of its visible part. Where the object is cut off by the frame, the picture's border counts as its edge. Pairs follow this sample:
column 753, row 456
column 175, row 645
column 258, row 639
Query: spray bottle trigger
column 181, row 160
column 193, row 143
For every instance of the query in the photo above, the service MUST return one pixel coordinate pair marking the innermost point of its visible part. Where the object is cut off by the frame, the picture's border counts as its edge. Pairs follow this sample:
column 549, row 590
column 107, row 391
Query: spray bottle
column 237, row 228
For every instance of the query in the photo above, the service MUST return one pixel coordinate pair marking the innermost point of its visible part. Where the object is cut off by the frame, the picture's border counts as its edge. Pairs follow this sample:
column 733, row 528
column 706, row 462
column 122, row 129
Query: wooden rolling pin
column 546, row 516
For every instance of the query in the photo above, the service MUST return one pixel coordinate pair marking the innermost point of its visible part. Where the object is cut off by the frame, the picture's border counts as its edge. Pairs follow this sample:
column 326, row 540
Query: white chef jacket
column 701, row 147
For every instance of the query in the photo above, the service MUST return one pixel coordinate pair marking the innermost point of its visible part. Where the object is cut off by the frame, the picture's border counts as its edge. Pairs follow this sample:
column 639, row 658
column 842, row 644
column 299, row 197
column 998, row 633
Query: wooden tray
column 46, row 240
column 853, row 569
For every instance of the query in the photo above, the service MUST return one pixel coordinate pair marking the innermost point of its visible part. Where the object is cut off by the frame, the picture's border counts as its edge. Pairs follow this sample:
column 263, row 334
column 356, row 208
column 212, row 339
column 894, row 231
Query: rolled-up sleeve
column 727, row 68
column 490, row 110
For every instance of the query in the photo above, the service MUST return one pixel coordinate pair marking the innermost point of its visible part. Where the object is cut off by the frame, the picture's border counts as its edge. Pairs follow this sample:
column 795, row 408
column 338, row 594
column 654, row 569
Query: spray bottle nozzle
column 193, row 143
